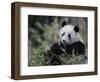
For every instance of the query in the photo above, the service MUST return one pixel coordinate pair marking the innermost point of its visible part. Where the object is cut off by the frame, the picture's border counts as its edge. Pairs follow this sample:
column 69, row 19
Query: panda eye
column 63, row 34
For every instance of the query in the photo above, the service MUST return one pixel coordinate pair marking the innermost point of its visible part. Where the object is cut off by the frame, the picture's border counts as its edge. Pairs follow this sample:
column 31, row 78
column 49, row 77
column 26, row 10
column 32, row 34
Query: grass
column 40, row 57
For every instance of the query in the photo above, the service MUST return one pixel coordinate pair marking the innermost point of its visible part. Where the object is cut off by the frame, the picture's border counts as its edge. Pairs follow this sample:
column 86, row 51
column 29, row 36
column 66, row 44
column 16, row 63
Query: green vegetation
column 39, row 55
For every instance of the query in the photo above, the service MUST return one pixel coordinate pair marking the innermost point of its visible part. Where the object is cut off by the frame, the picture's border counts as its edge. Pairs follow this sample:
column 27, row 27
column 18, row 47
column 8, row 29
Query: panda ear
column 64, row 23
column 76, row 28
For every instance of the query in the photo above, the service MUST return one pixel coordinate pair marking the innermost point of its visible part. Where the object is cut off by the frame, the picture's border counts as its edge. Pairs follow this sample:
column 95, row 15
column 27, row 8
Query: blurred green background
column 44, row 30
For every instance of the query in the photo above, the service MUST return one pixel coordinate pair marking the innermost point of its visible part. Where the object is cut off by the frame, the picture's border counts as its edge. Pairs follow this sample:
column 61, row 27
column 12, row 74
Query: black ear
column 76, row 29
column 64, row 23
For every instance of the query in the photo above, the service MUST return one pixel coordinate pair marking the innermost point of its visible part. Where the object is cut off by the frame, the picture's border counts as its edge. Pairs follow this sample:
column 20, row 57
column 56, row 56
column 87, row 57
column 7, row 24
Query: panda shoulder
column 79, row 37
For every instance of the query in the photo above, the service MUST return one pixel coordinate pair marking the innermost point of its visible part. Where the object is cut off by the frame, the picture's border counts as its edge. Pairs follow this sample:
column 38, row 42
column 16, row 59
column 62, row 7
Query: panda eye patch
column 69, row 36
column 63, row 34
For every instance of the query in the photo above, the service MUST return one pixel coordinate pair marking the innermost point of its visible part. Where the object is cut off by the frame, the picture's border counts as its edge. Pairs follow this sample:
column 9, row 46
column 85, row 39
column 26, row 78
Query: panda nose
column 64, row 41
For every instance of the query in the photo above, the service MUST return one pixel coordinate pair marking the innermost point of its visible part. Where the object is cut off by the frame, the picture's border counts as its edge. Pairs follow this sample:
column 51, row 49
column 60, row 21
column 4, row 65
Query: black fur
column 56, row 51
column 76, row 28
column 79, row 48
column 56, row 48
column 54, row 60
column 64, row 23
column 76, row 48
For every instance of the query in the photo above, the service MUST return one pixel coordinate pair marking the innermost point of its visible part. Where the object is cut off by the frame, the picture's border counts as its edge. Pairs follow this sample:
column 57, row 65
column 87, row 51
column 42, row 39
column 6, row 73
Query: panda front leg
column 55, row 60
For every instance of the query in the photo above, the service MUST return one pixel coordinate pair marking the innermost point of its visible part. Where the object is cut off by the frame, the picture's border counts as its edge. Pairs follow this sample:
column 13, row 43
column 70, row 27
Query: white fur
column 69, row 29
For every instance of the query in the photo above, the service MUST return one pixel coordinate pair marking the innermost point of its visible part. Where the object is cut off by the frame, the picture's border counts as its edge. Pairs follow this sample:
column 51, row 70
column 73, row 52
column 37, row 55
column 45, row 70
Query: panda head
column 69, row 34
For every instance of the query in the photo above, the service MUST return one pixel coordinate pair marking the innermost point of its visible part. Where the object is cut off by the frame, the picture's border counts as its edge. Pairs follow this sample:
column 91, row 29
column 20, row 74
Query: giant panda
column 71, row 42
column 71, row 39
